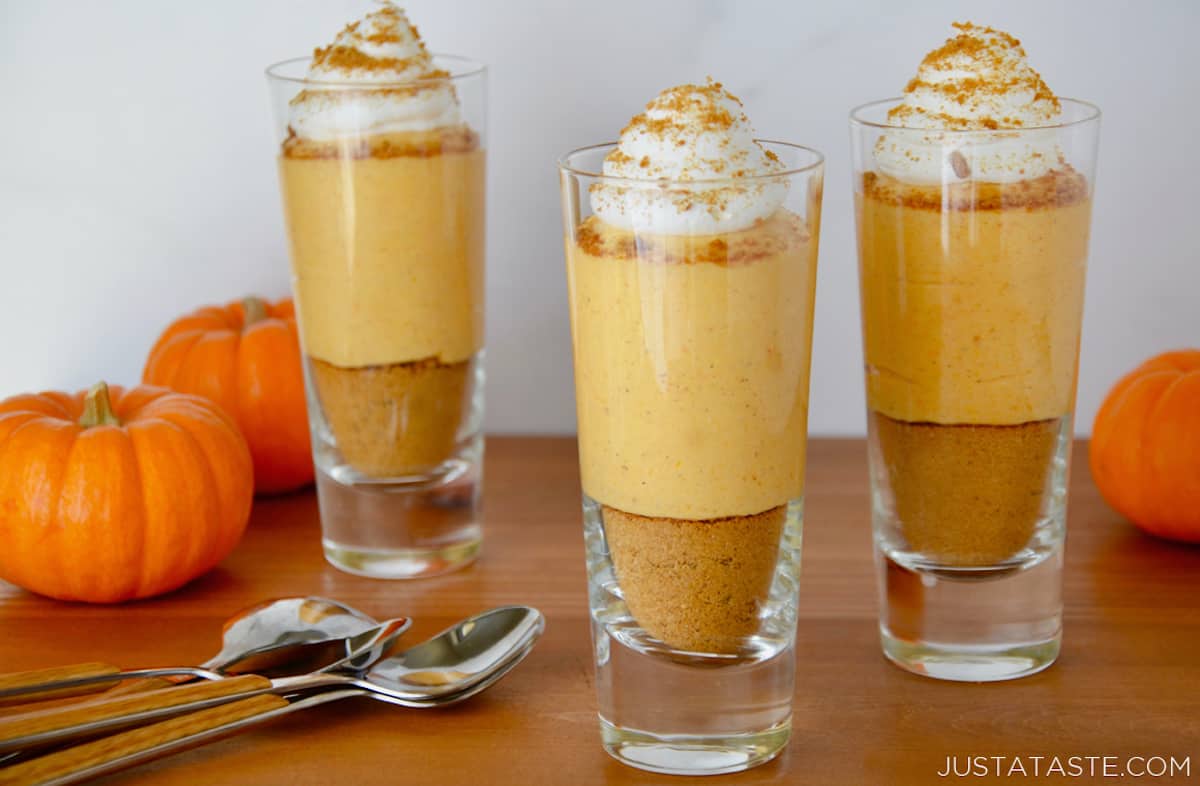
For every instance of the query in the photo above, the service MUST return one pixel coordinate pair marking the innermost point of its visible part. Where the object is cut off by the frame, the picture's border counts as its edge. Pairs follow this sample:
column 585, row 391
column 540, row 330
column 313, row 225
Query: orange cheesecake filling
column 972, row 297
column 692, row 357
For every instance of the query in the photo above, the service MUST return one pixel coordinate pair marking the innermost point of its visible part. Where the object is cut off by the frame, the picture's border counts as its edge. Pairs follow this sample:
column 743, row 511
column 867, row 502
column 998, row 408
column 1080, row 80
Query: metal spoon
column 286, row 633
column 471, row 657
column 461, row 661
column 55, row 726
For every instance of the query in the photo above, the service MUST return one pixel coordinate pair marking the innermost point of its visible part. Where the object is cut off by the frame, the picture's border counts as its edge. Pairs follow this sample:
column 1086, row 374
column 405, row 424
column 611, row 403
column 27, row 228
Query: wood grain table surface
column 1127, row 682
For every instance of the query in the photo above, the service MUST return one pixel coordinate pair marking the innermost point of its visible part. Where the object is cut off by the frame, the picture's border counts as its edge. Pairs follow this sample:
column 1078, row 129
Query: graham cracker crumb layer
column 967, row 495
column 397, row 419
column 415, row 144
column 1058, row 188
column 783, row 232
column 697, row 586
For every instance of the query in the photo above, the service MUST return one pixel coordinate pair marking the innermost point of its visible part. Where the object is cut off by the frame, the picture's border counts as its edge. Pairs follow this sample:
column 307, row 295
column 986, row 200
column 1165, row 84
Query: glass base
column 965, row 664
column 971, row 625
column 683, row 712
column 402, row 563
column 403, row 528
column 693, row 755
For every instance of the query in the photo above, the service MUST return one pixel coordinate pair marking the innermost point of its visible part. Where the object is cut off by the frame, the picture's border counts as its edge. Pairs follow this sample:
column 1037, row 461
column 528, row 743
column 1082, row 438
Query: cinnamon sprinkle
column 782, row 232
column 411, row 144
column 690, row 108
column 389, row 25
column 1057, row 188
column 999, row 61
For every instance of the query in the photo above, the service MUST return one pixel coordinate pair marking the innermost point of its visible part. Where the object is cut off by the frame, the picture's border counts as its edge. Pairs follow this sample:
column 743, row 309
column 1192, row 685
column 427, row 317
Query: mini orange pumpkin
column 1145, row 450
column 110, row 495
column 246, row 357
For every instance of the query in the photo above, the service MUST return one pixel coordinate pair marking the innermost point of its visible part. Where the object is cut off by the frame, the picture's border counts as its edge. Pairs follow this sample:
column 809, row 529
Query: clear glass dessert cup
column 386, row 234
column 691, row 381
column 972, row 303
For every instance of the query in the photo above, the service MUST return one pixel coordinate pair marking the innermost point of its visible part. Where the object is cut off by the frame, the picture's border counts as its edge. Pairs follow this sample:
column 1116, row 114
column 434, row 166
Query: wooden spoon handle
column 18, row 687
column 103, row 714
column 108, row 754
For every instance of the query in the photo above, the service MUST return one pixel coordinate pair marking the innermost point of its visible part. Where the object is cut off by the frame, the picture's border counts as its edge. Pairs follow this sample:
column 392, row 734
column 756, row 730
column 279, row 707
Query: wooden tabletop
column 1127, row 683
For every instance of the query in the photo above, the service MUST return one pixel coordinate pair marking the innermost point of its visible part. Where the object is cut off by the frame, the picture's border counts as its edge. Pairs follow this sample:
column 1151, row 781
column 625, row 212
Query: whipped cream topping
column 688, row 135
column 979, row 80
column 381, row 80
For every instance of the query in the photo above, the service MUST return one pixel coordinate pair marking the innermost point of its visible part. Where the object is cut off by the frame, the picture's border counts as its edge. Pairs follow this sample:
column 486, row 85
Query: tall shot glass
column 386, row 234
column 691, row 383
column 972, row 303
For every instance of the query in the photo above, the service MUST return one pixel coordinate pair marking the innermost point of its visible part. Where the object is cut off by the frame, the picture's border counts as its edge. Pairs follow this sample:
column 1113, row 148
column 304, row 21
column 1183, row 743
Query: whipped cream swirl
column 979, row 80
column 381, row 79
column 691, row 166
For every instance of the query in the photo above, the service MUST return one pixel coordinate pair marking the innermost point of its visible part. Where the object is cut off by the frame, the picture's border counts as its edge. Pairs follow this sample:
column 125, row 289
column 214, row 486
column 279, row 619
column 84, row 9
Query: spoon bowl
column 264, row 637
column 458, row 658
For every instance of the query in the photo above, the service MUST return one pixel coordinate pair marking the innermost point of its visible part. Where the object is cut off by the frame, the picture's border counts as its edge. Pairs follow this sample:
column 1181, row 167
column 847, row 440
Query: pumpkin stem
column 97, row 408
column 253, row 310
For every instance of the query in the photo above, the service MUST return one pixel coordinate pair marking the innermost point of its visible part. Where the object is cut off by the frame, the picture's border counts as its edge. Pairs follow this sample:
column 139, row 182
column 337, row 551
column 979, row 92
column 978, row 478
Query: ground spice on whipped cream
column 346, row 53
column 997, row 59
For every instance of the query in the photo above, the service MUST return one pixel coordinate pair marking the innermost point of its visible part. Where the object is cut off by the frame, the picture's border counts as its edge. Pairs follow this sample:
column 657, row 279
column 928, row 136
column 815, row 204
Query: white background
column 137, row 177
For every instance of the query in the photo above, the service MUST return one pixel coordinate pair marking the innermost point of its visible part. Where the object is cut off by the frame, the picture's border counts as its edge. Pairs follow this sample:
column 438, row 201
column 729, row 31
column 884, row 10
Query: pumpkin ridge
column 1181, row 360
column 192, row 323
column 266, row 323
column 212, row 535
column 1162, row 507
column 144, row 428
column 216, row 350
column 1146, row 476
column 250, row 393
column 54, row 484
column 163, row 362
column 231, row 316
column 42, row 405
column 144, row 554
column 1104, row 433
column 62, row 571
column 134, row 505
column 25, row 416
column 197, row 407
column 222, row 502
column 213, row 316
column 135, row 401
column 1162, row 401
column 61, row 402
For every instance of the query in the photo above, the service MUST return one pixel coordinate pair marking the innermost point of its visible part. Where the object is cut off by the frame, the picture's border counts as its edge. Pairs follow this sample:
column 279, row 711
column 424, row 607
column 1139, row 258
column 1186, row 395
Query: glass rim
column 856, row 118
column 564, row 165
column 469, row 68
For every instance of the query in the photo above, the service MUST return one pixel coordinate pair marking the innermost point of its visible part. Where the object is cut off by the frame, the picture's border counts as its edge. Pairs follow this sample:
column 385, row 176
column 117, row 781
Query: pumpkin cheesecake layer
column 972, row 297
column 691, row 373
column 387, row 257
column 387, row 238
column 691, row 366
